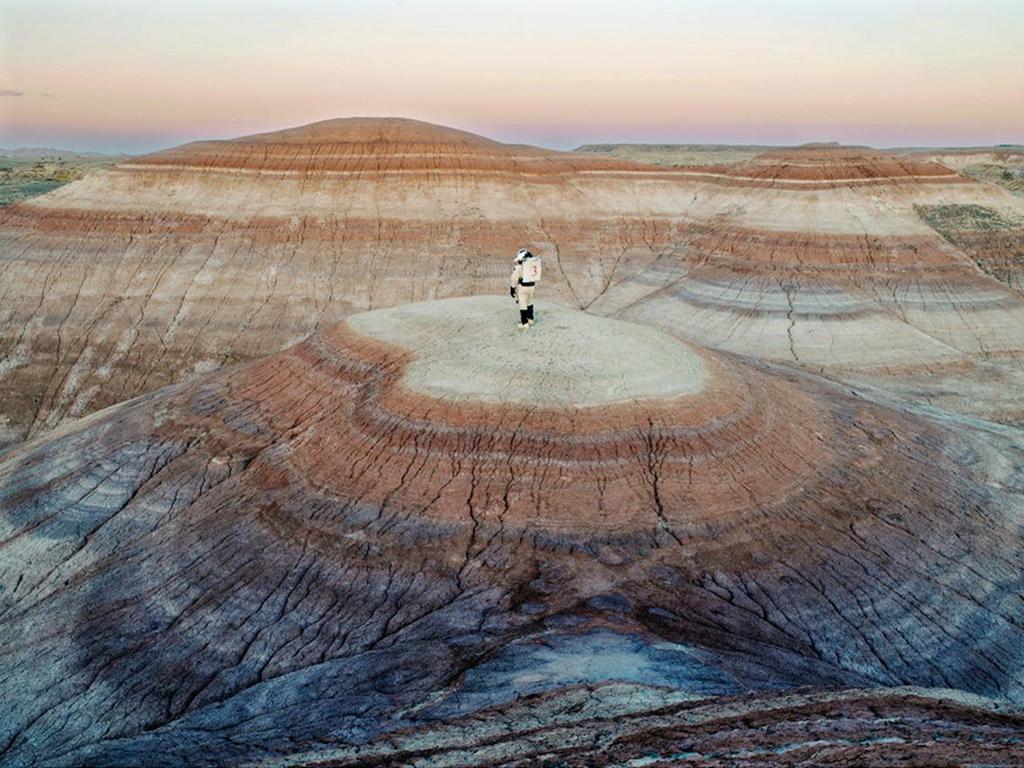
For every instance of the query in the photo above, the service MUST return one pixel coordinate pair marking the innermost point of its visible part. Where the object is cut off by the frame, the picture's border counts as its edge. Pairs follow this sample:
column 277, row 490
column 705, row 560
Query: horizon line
column 176, row 141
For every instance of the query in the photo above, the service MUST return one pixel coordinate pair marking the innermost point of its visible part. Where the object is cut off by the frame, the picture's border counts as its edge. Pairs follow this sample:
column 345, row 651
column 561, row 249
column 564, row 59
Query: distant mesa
column 833, row 163
column 366, row 537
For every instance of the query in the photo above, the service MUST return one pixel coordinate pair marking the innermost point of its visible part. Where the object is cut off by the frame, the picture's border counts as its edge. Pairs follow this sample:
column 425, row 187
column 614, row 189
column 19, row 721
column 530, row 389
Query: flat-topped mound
column 471, row 348
column 834, row 164
column 354, row 539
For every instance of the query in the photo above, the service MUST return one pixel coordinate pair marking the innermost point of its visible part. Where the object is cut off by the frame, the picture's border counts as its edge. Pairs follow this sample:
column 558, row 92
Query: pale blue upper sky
column 114, row 74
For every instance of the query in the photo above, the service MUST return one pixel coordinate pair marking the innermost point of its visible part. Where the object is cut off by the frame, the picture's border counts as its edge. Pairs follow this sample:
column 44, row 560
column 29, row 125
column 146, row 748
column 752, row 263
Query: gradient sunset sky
column 146, row 74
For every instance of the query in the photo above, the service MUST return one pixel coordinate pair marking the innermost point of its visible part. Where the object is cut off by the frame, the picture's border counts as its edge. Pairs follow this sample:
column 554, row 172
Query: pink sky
column 110, row 74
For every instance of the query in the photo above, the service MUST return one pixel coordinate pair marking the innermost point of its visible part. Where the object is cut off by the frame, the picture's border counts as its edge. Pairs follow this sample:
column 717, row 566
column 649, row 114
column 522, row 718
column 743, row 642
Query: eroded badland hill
column 749, row 492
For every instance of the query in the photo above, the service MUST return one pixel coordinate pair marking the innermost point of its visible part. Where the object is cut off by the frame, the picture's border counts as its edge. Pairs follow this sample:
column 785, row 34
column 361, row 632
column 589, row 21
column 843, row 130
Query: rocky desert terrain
column 1002, row 165
column 27, row 172
column 285, row 485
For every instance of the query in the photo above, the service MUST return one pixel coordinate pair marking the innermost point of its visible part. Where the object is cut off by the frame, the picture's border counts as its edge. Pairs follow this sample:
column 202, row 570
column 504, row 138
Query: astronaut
column 525, row 275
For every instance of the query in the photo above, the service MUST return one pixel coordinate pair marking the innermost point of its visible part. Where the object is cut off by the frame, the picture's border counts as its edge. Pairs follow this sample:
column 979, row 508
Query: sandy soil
column 472, row 348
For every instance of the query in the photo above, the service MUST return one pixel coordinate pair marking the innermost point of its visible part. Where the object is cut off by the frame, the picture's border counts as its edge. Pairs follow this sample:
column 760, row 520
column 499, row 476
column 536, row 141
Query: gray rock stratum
column 882, row 270
column 391, row 545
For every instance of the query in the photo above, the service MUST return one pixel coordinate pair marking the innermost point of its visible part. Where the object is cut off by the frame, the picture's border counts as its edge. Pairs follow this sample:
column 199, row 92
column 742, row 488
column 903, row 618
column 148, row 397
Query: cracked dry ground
column 338, row 556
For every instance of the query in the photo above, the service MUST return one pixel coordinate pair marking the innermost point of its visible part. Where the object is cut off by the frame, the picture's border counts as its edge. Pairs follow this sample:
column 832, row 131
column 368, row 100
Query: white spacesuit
column 525, row 275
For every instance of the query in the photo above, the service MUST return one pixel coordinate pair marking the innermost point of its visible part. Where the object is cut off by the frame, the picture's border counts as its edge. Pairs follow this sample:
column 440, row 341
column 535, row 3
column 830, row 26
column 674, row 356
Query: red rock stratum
column 847, row 261
column 423, row 537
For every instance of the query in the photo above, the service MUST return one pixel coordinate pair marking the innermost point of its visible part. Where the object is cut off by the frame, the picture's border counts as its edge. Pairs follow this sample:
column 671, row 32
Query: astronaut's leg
column 523, row 298
column 526, row 301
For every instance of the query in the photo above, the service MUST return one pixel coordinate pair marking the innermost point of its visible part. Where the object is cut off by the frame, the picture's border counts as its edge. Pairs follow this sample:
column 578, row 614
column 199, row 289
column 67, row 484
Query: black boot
column 523, row 317
column 529, row 313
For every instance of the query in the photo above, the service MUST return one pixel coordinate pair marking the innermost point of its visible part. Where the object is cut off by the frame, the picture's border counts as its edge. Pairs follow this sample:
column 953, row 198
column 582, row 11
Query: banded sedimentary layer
column 215, row 252
column 180, row 262
column 828, row 259
column 390, row 540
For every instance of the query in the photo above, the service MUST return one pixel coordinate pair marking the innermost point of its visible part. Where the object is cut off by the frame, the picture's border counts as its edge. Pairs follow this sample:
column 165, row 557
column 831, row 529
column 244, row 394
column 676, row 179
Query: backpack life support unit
column 531, row 270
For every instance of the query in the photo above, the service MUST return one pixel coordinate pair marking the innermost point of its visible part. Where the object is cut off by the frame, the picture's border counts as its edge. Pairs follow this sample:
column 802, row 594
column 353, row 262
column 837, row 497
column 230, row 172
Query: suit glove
column 512, row 291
